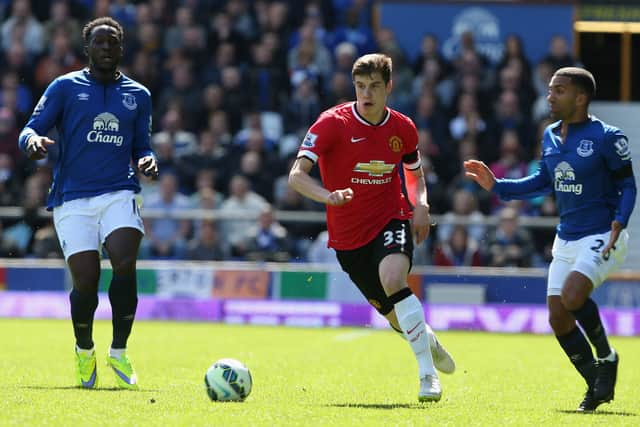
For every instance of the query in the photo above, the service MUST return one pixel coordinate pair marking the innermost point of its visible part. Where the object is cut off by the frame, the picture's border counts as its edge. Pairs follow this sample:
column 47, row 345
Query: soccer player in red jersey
column 359, row 147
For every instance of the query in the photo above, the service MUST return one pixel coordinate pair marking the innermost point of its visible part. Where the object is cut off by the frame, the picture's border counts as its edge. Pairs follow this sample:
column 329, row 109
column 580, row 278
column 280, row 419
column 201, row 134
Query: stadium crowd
column 235, row 85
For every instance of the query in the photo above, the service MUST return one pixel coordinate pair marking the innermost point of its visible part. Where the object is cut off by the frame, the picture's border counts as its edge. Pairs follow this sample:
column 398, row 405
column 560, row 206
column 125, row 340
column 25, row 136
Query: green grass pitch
column 302, row 377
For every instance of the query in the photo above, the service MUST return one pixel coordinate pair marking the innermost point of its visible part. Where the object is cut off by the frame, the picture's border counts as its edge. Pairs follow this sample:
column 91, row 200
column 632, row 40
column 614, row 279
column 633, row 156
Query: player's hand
column 616, row 228
column 480, row 173
column 148, row 166
column 421, row 224
column 37, row 147
column 340, row 197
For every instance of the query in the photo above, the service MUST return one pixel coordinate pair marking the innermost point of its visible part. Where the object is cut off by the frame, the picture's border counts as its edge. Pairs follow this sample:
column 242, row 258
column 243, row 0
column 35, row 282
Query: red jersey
column 354, row 153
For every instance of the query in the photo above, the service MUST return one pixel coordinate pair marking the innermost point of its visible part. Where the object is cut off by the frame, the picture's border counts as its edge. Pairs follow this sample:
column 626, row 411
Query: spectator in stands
column 8, row 248
column 266, row 80
column 174, row 133
column 428, row 116
column 465, row 208
column 467, row 120
column 209, row 159
column 23, row 26
column 540, row 108
column 310, row 56
column 60, row 58
column 9, row 185
column 458, row 250
column 304, row 105
column 166, row 236
column 60, row 19
column 9, row 135
column 238, row 209
column 430, row 50
column 510, row 164
column 267, row 240
column 206, row 245
column 559, row 55
column 514, row 53
column 509, row 245
column 183, row 92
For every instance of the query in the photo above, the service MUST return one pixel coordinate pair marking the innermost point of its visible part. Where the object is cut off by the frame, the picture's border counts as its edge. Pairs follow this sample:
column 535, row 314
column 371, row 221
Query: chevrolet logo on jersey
column 374, row 168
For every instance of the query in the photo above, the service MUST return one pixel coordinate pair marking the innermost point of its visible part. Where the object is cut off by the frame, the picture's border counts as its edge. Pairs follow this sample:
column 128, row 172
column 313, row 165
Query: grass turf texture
column 307, row 377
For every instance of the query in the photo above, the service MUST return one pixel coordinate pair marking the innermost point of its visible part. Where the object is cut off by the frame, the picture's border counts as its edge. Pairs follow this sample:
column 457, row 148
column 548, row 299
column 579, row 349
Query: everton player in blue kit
column 103, row 120
column 587, row 164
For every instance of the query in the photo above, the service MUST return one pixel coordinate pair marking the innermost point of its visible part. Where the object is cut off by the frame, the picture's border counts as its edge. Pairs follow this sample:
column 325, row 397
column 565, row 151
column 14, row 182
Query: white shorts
column 584, row 256
column 84, row 224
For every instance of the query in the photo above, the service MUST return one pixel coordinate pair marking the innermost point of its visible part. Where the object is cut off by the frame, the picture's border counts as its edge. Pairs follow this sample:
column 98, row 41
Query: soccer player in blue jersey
column 103, row 119
column 587, row 164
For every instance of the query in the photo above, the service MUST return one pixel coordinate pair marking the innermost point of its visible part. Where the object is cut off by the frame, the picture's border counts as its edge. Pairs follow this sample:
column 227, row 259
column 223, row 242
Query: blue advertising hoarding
column 536, row 24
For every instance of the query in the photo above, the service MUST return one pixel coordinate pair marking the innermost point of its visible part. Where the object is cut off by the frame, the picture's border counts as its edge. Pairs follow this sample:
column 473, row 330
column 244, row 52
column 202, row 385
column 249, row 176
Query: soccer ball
column 228, row 380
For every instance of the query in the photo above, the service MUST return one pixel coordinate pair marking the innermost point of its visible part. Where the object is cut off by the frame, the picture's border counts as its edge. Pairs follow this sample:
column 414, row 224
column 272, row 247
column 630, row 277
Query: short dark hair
column 373, row 63
column 105, row 20
column 581, row 78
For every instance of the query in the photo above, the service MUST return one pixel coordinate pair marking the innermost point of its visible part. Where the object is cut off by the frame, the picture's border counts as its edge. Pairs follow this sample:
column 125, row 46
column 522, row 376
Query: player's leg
column 122, row 232
column 442, row 359
column 122, row 246
column 569, row 336
column 590, row 270
column 77, row 229
column 393, row 270
column 85, row 272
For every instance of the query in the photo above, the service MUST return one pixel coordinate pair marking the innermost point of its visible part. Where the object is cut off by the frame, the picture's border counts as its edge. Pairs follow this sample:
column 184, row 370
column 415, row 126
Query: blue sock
column 589, row 318
column 83, row 308
column 575, row 345
column 123, row 296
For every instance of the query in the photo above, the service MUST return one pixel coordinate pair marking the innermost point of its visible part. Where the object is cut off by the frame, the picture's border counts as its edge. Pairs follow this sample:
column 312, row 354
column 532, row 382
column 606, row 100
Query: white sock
column 411, row 319
column 610, row 358
column 116, row 352
column 84, row 351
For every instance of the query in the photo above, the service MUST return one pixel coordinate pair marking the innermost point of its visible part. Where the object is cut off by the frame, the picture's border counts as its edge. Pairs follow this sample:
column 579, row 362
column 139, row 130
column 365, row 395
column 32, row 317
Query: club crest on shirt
column 129, row 101
column 585, row 148
column 395, row 144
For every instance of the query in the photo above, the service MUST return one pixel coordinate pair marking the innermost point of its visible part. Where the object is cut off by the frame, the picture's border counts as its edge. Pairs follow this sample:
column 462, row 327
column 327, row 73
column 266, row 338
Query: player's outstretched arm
column 36, row 148
column 480, row 173
column 301, row 181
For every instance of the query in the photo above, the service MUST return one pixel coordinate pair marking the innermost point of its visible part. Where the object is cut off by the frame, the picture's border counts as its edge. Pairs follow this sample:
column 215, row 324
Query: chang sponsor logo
column 564, row 175
column 106, row 129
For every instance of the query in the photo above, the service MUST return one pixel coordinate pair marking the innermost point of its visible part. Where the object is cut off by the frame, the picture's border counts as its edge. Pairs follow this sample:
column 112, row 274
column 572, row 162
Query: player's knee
column 124, row 266
column 392, row 283
column 86, row 284
column 572, row 298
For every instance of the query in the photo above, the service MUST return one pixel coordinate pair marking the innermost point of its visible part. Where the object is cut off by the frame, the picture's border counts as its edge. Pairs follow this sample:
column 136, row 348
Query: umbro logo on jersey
column 83, row 96
column 354, row 140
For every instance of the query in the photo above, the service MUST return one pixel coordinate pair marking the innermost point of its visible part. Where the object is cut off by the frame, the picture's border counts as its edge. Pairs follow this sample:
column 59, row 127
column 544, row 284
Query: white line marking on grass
column 350, row 336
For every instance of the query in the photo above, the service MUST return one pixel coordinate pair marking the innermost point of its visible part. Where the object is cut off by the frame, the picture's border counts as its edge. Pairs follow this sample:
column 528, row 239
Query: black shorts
column 361, row 264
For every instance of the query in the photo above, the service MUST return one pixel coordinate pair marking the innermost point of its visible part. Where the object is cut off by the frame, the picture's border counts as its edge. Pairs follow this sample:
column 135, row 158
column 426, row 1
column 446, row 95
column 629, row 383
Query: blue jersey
column 101, row 129
column 590, row 173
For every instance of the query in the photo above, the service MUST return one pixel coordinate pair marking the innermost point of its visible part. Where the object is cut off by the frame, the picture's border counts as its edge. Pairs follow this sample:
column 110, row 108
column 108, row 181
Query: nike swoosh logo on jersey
column 358, row 139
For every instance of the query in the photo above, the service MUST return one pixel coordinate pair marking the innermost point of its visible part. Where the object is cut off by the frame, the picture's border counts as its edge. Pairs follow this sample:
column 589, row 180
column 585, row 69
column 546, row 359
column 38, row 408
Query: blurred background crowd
column 235, row 85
